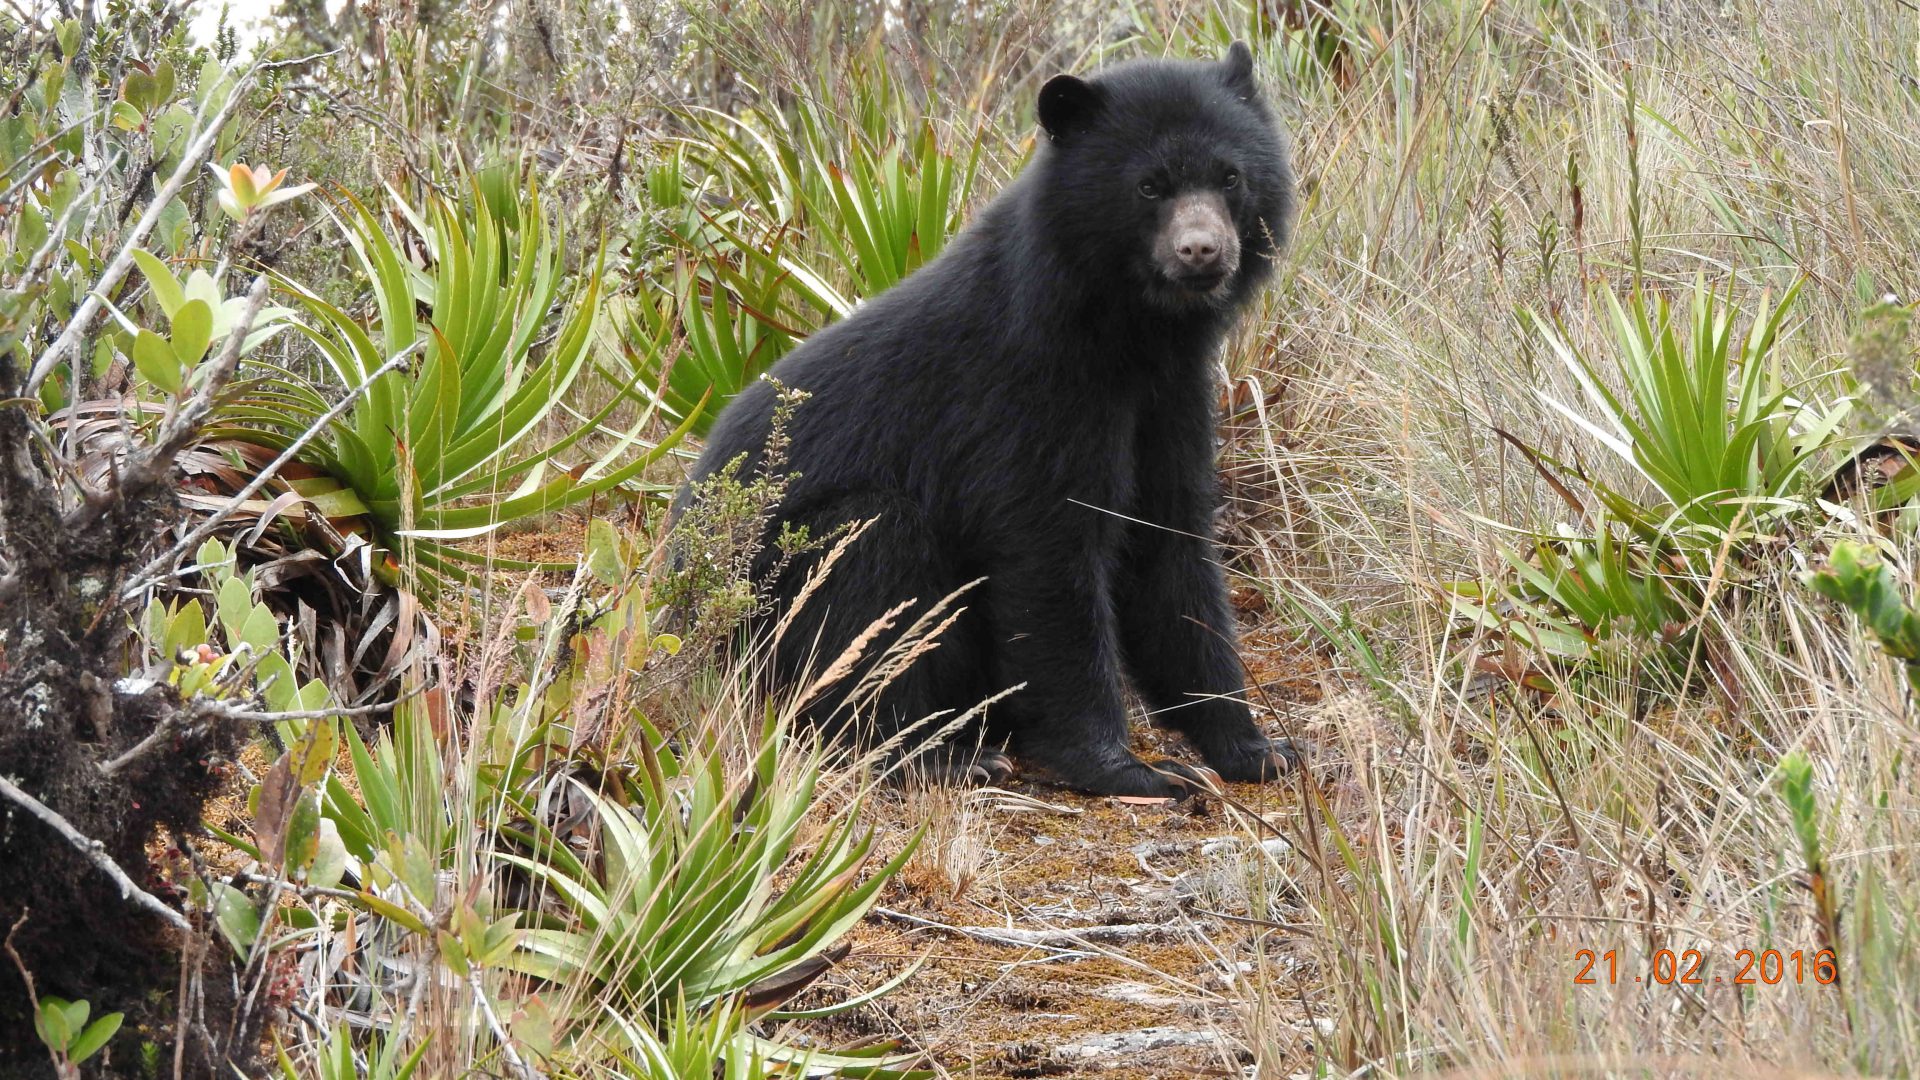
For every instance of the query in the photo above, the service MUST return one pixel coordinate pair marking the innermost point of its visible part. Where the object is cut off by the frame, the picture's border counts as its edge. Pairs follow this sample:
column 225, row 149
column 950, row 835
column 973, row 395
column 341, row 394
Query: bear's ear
column 1068, row 106
column 1238, row 68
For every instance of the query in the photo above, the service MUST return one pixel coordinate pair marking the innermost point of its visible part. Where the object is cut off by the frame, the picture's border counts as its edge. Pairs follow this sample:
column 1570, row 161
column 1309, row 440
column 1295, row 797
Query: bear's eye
column 1149, row 189
column 1233, row 179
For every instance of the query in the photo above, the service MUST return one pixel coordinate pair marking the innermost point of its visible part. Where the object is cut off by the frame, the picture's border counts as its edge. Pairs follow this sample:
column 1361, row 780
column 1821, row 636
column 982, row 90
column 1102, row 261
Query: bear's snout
column 1198, row 246
column 1199, row 250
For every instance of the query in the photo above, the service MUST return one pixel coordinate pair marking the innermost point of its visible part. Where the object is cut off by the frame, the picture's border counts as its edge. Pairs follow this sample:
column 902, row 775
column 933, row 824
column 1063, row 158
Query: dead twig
column 201, row 709
column 33, row 999
column 1019, row 939
column 493, row 1024
column 95, row 853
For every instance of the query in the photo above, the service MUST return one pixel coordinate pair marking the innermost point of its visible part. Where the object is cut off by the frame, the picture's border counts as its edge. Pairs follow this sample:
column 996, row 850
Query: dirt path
column 1073, row 936
column 1070, row 936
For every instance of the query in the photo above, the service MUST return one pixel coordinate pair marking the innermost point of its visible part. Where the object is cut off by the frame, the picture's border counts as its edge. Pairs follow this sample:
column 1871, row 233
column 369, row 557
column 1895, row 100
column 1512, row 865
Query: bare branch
column 493, row 1024
column 988, row 934
column 33, row 999
column 160, row 733
column 96, row 854
column 200, row 709
column 221, row 709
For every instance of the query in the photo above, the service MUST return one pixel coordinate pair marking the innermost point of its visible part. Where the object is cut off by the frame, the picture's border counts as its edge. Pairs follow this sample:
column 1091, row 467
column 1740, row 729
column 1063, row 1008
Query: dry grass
column 1612, row 815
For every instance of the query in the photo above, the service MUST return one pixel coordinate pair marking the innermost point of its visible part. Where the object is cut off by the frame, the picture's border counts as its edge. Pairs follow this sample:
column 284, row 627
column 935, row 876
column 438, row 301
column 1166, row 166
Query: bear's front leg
column 1054, row 631
column 1181, row 649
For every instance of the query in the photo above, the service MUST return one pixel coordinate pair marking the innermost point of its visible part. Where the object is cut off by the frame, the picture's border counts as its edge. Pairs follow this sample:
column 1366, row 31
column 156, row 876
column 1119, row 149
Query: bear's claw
column 1268, row 759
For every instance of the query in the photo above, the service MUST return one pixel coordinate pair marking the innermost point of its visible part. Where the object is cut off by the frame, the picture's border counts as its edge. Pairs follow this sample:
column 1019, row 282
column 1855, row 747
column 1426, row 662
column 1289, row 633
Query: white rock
column 1120, row 1044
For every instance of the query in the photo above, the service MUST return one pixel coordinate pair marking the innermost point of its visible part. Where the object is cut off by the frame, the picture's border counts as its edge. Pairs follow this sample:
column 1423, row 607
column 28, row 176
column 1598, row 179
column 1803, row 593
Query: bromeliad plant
column 892, row 210
column 446, row 438
column 691, row 1045
column 872, row 208
column 707, row 341
column 1725, row 447
column 1567, row 593
column 700, row 902
column 1707, row 420
column 811, row 215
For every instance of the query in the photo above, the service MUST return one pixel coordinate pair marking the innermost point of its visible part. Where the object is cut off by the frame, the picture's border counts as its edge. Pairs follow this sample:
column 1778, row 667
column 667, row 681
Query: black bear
column 1035, row 409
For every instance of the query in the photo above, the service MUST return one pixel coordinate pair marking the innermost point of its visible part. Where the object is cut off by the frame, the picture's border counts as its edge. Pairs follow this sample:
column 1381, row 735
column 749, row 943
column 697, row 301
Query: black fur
column 1036, row 407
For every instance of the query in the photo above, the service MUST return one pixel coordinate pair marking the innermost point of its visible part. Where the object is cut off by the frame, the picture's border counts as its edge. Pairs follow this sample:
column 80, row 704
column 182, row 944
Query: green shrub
column 1857, row 579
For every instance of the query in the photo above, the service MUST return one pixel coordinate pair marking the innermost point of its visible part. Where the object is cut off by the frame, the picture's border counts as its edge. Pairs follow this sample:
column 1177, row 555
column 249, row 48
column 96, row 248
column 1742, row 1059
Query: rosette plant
column 450, row 430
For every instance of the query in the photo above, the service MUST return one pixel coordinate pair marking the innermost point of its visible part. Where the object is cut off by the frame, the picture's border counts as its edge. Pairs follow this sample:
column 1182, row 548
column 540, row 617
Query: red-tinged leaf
column 278, row 794
column 539, row 608
column 435, row 700
column 782, row 986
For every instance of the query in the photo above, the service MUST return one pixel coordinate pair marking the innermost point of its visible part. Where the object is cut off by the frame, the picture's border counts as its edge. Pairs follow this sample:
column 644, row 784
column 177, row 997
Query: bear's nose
column 1199, row 250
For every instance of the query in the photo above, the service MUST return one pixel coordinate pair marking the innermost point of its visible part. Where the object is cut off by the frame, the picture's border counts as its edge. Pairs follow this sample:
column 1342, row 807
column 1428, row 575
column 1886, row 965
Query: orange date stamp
column 1689, row 967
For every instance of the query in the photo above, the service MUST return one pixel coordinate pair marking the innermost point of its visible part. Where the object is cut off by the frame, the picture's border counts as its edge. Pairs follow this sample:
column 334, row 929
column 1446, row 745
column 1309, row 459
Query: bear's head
column 1172, row 174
